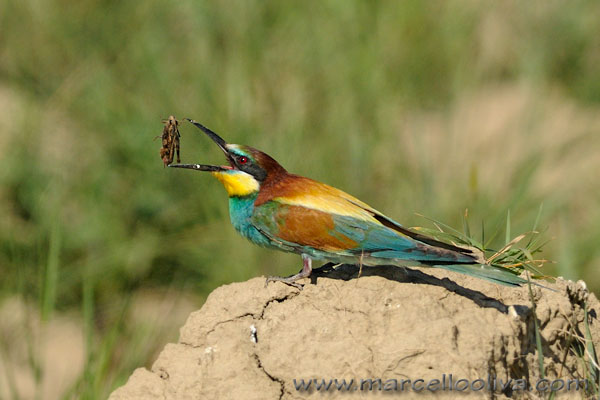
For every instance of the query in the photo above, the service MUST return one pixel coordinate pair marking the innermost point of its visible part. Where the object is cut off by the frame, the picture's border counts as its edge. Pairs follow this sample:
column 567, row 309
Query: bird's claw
column 287, row 281
column 291, row 280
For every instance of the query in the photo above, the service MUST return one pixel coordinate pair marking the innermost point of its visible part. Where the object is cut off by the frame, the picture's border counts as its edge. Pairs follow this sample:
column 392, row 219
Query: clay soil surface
column 252, row 342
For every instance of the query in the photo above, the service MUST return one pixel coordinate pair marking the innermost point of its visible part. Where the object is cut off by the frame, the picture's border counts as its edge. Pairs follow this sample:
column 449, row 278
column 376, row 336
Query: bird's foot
column 291, row 280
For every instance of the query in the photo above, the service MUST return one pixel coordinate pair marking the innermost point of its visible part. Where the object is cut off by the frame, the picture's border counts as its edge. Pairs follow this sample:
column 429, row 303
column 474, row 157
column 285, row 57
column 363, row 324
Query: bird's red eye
column 243, row 160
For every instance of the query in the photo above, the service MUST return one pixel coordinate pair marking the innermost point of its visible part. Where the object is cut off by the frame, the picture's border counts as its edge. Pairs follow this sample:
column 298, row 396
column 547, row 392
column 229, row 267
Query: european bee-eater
column 279, row 210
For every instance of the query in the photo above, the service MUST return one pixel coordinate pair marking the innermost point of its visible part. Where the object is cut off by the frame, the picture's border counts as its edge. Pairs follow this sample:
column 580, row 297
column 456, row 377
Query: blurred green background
column 429, row 107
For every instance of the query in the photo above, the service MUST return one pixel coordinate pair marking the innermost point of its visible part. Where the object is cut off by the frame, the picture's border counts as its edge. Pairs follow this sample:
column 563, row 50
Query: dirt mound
column 396, row 325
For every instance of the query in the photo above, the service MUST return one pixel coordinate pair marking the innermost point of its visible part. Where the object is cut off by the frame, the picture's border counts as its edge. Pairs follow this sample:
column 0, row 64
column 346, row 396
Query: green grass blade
column 107, row 348
column 494, row 235
column 535, row 224
column 443, row 236
column 537, row 217
column 448, row 227
column 51, row 275
column 88, row 326
column 466, row 228
column 507, row 232
column 482, row 234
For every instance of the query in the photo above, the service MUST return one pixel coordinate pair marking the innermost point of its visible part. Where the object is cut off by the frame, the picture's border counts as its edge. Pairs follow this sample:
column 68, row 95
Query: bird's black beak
column 218, row 140
column 199, row 167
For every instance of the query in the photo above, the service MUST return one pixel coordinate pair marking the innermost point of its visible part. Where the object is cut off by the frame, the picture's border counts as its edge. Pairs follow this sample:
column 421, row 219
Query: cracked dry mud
column 251, row 342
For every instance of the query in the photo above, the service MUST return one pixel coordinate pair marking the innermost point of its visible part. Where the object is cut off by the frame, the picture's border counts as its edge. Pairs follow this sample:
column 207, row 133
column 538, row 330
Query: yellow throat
column 237, row 183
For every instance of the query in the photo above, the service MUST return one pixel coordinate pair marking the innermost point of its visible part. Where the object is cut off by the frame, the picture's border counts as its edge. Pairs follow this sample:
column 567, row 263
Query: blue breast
column 240, row 213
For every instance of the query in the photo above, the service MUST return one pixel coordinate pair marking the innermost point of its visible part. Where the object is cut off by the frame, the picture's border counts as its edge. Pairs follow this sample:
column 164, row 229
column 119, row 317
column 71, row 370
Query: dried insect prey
column 170, row 141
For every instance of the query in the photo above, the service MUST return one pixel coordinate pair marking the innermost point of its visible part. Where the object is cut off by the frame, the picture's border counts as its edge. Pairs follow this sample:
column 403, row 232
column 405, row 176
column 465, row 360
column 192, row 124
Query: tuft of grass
column 516, row 255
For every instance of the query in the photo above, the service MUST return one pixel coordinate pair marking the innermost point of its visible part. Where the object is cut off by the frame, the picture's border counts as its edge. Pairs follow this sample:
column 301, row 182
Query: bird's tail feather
column 493, row 274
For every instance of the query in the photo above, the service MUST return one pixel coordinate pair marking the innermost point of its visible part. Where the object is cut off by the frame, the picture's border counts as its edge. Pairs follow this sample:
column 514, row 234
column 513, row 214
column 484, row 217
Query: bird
column 276, row 209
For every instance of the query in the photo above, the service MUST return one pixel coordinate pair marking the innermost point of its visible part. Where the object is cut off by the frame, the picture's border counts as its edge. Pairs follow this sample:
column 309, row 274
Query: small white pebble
column 253, row 337
column 209, row 350
column 582, row 284
column 512, row 311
